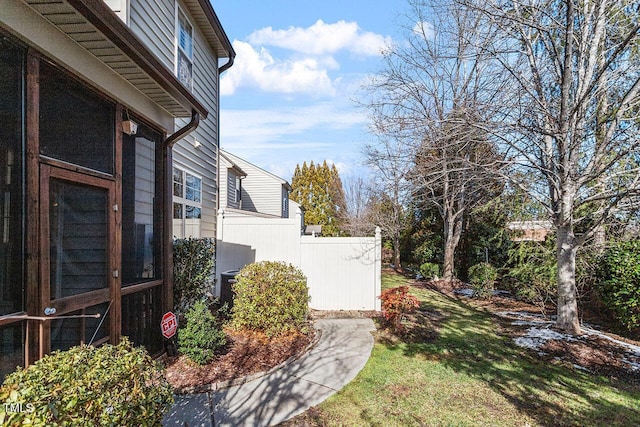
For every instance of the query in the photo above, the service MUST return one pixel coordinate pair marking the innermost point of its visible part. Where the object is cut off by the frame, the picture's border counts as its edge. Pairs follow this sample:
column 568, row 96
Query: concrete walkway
column 342, row 351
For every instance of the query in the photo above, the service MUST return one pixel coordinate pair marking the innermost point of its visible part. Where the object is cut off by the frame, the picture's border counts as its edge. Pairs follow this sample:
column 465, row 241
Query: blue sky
column 289, row 96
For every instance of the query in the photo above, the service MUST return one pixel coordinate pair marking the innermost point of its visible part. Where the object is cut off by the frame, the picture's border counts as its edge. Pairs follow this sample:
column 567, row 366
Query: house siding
column 157, row 30
column 153, row 22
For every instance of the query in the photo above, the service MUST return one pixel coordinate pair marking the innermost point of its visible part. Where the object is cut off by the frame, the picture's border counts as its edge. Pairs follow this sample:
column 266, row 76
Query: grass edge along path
column 452, row 368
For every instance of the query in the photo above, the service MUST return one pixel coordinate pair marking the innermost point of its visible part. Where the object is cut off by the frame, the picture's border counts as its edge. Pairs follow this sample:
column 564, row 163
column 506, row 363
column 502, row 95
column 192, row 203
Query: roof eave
column 106, row 21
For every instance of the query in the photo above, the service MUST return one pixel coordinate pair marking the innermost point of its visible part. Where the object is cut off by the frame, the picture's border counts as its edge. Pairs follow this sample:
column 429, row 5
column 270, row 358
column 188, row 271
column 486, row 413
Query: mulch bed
column 246, row 353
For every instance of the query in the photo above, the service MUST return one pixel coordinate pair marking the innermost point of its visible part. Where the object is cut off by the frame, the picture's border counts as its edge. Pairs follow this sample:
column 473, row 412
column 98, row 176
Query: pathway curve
column 342, row 351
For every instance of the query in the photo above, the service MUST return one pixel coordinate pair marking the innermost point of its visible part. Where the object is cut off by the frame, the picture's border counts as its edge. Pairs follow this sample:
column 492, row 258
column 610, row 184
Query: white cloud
column 284, row 127
column 321, row 39
column 258, row 68
column 305, row 64
column 343, row 168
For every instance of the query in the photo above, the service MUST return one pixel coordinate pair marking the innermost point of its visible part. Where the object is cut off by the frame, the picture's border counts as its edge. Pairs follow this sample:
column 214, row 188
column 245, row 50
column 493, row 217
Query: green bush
column 271, row 297
column 193, row 261
column 429, row 270
column 482, row 277
column 86, row 386
column 200, row 337
column 619, row 285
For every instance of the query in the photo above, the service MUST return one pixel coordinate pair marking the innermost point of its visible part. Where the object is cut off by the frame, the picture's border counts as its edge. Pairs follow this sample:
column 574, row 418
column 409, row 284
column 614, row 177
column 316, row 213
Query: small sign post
column 169, row 325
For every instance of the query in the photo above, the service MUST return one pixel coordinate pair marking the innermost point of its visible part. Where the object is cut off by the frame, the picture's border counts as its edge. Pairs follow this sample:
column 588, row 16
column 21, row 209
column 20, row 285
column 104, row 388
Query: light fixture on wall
column 196, row 143
column 129, row 126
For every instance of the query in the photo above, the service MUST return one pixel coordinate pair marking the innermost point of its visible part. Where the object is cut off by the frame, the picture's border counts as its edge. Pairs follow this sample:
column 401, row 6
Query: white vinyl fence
column 343, row 273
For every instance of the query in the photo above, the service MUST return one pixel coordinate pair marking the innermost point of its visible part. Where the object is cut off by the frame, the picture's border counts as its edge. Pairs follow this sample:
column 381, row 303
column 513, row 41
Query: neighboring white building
column 248, row 188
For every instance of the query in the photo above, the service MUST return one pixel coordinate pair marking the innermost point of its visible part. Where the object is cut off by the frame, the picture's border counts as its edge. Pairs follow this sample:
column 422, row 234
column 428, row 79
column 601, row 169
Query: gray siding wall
column 154, row 22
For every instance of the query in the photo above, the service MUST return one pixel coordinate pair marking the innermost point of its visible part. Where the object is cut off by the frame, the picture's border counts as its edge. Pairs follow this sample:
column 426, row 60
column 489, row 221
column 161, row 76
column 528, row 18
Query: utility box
column 227, row 279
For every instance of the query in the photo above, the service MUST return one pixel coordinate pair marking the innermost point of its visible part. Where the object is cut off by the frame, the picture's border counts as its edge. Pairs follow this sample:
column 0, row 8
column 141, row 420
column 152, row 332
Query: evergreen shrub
column 112, row 385
column 429, row 270
column 619, row 284
column 200, row 337
column 193, row 261
column 482, row 277
column 270, row 297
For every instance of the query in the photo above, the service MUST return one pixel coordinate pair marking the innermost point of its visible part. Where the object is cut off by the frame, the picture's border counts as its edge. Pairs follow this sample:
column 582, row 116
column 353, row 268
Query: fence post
column 378, row 269
column 219, row 251
column 220, row 225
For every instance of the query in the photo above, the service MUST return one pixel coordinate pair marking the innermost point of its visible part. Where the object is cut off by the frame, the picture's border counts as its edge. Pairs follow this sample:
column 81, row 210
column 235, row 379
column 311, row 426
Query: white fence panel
column 343, row 273
column 242, row 240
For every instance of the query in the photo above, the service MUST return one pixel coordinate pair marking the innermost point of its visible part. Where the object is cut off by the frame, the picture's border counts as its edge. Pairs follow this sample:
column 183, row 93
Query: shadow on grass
column 466, row 340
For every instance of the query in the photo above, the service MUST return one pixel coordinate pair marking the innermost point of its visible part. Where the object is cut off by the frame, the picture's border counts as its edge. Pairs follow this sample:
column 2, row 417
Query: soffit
column 95, row 27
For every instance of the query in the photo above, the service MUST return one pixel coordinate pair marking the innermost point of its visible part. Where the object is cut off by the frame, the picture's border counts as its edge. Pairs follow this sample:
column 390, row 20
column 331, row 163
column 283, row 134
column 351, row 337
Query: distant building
column 530, row 231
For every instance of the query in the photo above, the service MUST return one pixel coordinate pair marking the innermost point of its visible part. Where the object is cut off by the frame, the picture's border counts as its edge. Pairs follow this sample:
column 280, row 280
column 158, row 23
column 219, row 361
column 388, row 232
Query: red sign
column 169, row 325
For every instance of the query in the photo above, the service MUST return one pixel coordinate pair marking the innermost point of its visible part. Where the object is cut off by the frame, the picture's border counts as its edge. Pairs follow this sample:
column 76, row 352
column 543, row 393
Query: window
column 187, row 203
column 184, row 50
column 238, row 192
column 285, row 202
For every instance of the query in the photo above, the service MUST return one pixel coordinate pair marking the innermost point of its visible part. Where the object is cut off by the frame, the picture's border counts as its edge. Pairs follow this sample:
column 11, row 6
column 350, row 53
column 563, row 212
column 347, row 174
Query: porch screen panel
column 76, row 125
column 78, row 218
column 140, row 212
column 12, row 59
column 69, row 332
column 141, row 316
column 11, row 348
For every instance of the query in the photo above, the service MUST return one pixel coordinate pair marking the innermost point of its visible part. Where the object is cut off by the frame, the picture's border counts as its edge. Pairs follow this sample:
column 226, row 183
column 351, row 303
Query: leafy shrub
column 87, row 386
column 193, row 261
column 271, row 297
column 200, row 337
column 482, row 277
column 619, row 285
column 396, row 302
column 429, row 270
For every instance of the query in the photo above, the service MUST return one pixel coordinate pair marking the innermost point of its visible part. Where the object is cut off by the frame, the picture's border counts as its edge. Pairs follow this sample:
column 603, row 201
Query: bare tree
column 432, row 86
column 357, row 191
column 572, row 70
column 390, row 160
column 456, row 170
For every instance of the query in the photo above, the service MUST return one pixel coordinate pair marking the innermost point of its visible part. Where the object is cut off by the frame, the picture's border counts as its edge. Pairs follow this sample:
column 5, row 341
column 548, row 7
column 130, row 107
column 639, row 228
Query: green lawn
column 453, row 369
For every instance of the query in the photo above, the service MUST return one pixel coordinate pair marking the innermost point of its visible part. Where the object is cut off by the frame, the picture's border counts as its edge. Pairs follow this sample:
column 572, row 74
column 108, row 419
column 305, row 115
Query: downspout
column 221, row 69
column 168, row 205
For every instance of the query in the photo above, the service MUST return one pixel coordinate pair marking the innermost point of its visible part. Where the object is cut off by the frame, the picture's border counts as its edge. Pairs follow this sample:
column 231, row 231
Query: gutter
column 183, row 131
column 225, row 67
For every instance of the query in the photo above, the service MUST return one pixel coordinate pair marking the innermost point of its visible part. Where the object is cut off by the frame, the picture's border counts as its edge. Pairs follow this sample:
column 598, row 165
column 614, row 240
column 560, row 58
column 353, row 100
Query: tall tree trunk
column 568, row 320
column 452, row 233
column 396, row 253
